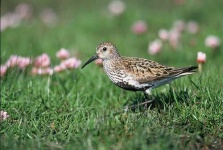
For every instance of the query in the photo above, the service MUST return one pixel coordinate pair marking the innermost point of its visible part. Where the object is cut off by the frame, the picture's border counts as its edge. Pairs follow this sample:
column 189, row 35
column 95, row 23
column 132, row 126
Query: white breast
column 130, row 80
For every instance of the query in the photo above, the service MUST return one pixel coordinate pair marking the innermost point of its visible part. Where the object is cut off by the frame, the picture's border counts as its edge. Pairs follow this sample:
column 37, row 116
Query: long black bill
column 90, row 60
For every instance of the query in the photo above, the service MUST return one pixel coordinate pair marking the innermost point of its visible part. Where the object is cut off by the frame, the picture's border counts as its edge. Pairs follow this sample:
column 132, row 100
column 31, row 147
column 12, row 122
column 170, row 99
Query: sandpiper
column 135, row 74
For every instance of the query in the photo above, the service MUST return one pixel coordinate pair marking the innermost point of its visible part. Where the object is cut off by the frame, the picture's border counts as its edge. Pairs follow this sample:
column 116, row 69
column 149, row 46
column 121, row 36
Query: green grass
column 82, row 109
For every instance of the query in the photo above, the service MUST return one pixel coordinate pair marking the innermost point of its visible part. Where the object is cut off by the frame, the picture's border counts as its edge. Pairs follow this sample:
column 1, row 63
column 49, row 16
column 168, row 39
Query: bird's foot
column 144, row 104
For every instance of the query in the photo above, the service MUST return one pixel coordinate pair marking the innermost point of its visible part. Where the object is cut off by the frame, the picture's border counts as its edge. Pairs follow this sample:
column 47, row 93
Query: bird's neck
column 115, row 56
column 112, row 58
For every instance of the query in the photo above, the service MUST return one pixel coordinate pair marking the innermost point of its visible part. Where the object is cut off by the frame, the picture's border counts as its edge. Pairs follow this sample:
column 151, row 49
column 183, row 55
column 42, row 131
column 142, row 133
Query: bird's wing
column 146, row 71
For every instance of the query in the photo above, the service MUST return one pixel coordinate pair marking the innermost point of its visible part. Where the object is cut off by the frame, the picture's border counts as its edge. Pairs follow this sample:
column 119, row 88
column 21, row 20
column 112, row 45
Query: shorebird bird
column 135, row 74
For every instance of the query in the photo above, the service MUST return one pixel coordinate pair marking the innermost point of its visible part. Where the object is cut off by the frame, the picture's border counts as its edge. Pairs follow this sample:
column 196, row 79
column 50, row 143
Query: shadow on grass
column 158, row 100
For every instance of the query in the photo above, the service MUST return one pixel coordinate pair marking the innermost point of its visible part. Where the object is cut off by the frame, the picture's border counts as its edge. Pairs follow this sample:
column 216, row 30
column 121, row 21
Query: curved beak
column 90, row 60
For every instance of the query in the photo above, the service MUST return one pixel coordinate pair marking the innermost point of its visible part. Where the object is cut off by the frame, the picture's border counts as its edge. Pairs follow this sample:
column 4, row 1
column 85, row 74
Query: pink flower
column 10, row 20
column 3, row 115
column 58, row 68
column 139, row 27
column 48, row 17
column 4, row 23
column 174, row 38
column 12, row 61
column 23, row 62
column 179, row 25
column 192, row 27
column 23, row 10
column 163, row 34
column 42, row 71
column 42, row 61
column 212, row 41
column 116, row 7
column 13, row 19
column 154, row 47
column 99, row 62
column 71, row 62
column 63, row 54
column 3, row 70
column 67, row 64
column 201, row 57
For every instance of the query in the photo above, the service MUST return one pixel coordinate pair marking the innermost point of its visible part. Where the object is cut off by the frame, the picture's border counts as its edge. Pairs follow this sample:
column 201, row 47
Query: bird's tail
column 187, row 70
column 179, row 72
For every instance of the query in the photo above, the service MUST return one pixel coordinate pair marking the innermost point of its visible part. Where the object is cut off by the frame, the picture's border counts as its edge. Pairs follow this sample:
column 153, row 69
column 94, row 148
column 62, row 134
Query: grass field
column 82, row 109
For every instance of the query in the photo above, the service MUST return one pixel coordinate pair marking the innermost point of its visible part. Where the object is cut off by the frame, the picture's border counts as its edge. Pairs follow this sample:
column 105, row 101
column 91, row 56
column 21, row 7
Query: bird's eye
column 104, row 48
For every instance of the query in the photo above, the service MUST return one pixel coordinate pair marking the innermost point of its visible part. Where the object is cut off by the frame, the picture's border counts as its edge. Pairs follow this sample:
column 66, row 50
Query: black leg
column 145, row 95
column 147, row 101
column 144, row 104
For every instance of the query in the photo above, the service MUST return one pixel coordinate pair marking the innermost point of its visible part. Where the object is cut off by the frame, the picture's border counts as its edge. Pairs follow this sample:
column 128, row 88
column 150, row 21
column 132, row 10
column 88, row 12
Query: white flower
column 3, row 115
column 201, row 57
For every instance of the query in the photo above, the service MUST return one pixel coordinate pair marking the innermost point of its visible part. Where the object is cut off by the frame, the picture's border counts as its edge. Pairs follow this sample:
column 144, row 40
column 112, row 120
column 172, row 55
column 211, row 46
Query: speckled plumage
column 135, row 74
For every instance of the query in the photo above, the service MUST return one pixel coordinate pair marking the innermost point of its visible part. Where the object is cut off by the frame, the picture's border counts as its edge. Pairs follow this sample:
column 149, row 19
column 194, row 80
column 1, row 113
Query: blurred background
column 29, row 28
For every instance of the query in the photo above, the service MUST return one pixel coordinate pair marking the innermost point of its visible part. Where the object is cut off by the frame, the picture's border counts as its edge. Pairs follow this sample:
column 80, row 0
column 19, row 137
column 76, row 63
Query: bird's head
column 105, row 51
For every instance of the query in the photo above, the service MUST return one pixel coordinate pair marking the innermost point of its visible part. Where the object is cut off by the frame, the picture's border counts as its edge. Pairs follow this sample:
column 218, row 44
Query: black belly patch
column 126, row 86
